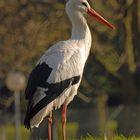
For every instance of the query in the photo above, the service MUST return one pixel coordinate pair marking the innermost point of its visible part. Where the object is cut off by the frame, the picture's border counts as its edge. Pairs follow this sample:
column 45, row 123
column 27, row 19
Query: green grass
column 71, row 129
column 90, row 137
column 71, row 133
column 10, row 132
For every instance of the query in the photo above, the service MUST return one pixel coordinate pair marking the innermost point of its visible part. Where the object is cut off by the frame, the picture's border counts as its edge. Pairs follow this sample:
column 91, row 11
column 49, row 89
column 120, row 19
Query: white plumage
column 70, row 60
column 57, row 75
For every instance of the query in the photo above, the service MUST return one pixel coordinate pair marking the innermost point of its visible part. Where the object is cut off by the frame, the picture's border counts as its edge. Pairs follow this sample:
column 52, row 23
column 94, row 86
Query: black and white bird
column 55, row 79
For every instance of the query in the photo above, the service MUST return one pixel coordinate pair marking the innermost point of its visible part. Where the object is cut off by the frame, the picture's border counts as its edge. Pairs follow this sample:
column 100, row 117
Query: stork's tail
column 34, row 121
column 27, row 116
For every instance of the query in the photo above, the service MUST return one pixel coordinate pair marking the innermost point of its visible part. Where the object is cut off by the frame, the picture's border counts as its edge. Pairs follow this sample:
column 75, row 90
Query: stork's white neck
column 80, row 30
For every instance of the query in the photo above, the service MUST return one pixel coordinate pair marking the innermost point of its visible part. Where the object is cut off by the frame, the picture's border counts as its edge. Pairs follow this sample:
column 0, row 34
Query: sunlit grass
column 72, row 128
column 120, row 137
column 10, row 133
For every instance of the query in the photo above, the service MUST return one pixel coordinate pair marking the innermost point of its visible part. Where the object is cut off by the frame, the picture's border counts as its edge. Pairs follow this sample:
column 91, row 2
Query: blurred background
column 108, row 101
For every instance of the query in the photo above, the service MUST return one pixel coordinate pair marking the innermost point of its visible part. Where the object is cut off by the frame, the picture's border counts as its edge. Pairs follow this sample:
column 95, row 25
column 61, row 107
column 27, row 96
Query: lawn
column 9, row 132
column 90, row 137
column 10, row 135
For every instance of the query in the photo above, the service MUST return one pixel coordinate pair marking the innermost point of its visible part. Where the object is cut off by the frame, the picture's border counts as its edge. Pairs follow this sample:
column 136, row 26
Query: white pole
column 17, row 115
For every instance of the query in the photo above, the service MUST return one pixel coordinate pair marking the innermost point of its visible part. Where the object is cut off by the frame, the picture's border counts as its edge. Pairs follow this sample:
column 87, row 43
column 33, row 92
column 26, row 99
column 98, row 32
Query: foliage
column 114, row 56
column 28, row 28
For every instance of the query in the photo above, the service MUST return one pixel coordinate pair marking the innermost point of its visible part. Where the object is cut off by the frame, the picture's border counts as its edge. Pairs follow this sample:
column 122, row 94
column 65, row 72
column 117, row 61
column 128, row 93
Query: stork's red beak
column 98, row 17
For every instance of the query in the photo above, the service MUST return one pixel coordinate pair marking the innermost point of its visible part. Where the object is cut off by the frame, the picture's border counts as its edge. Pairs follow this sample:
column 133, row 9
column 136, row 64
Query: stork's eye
column 85, row 4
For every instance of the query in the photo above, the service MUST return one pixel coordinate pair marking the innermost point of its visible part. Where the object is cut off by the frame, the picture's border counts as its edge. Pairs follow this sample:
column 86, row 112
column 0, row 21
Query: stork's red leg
column 64, row 119
column 49, row 126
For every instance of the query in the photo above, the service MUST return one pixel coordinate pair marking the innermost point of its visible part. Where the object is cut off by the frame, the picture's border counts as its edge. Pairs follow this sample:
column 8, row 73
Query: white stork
column 58, row 73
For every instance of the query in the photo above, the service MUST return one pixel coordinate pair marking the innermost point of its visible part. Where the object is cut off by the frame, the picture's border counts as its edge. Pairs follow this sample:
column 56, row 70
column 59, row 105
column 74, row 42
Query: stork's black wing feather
column 54, row 90
column 38, row 76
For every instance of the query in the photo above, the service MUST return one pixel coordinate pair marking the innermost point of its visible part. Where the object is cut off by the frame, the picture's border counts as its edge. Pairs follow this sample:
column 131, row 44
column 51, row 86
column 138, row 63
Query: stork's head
column 83, row 7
